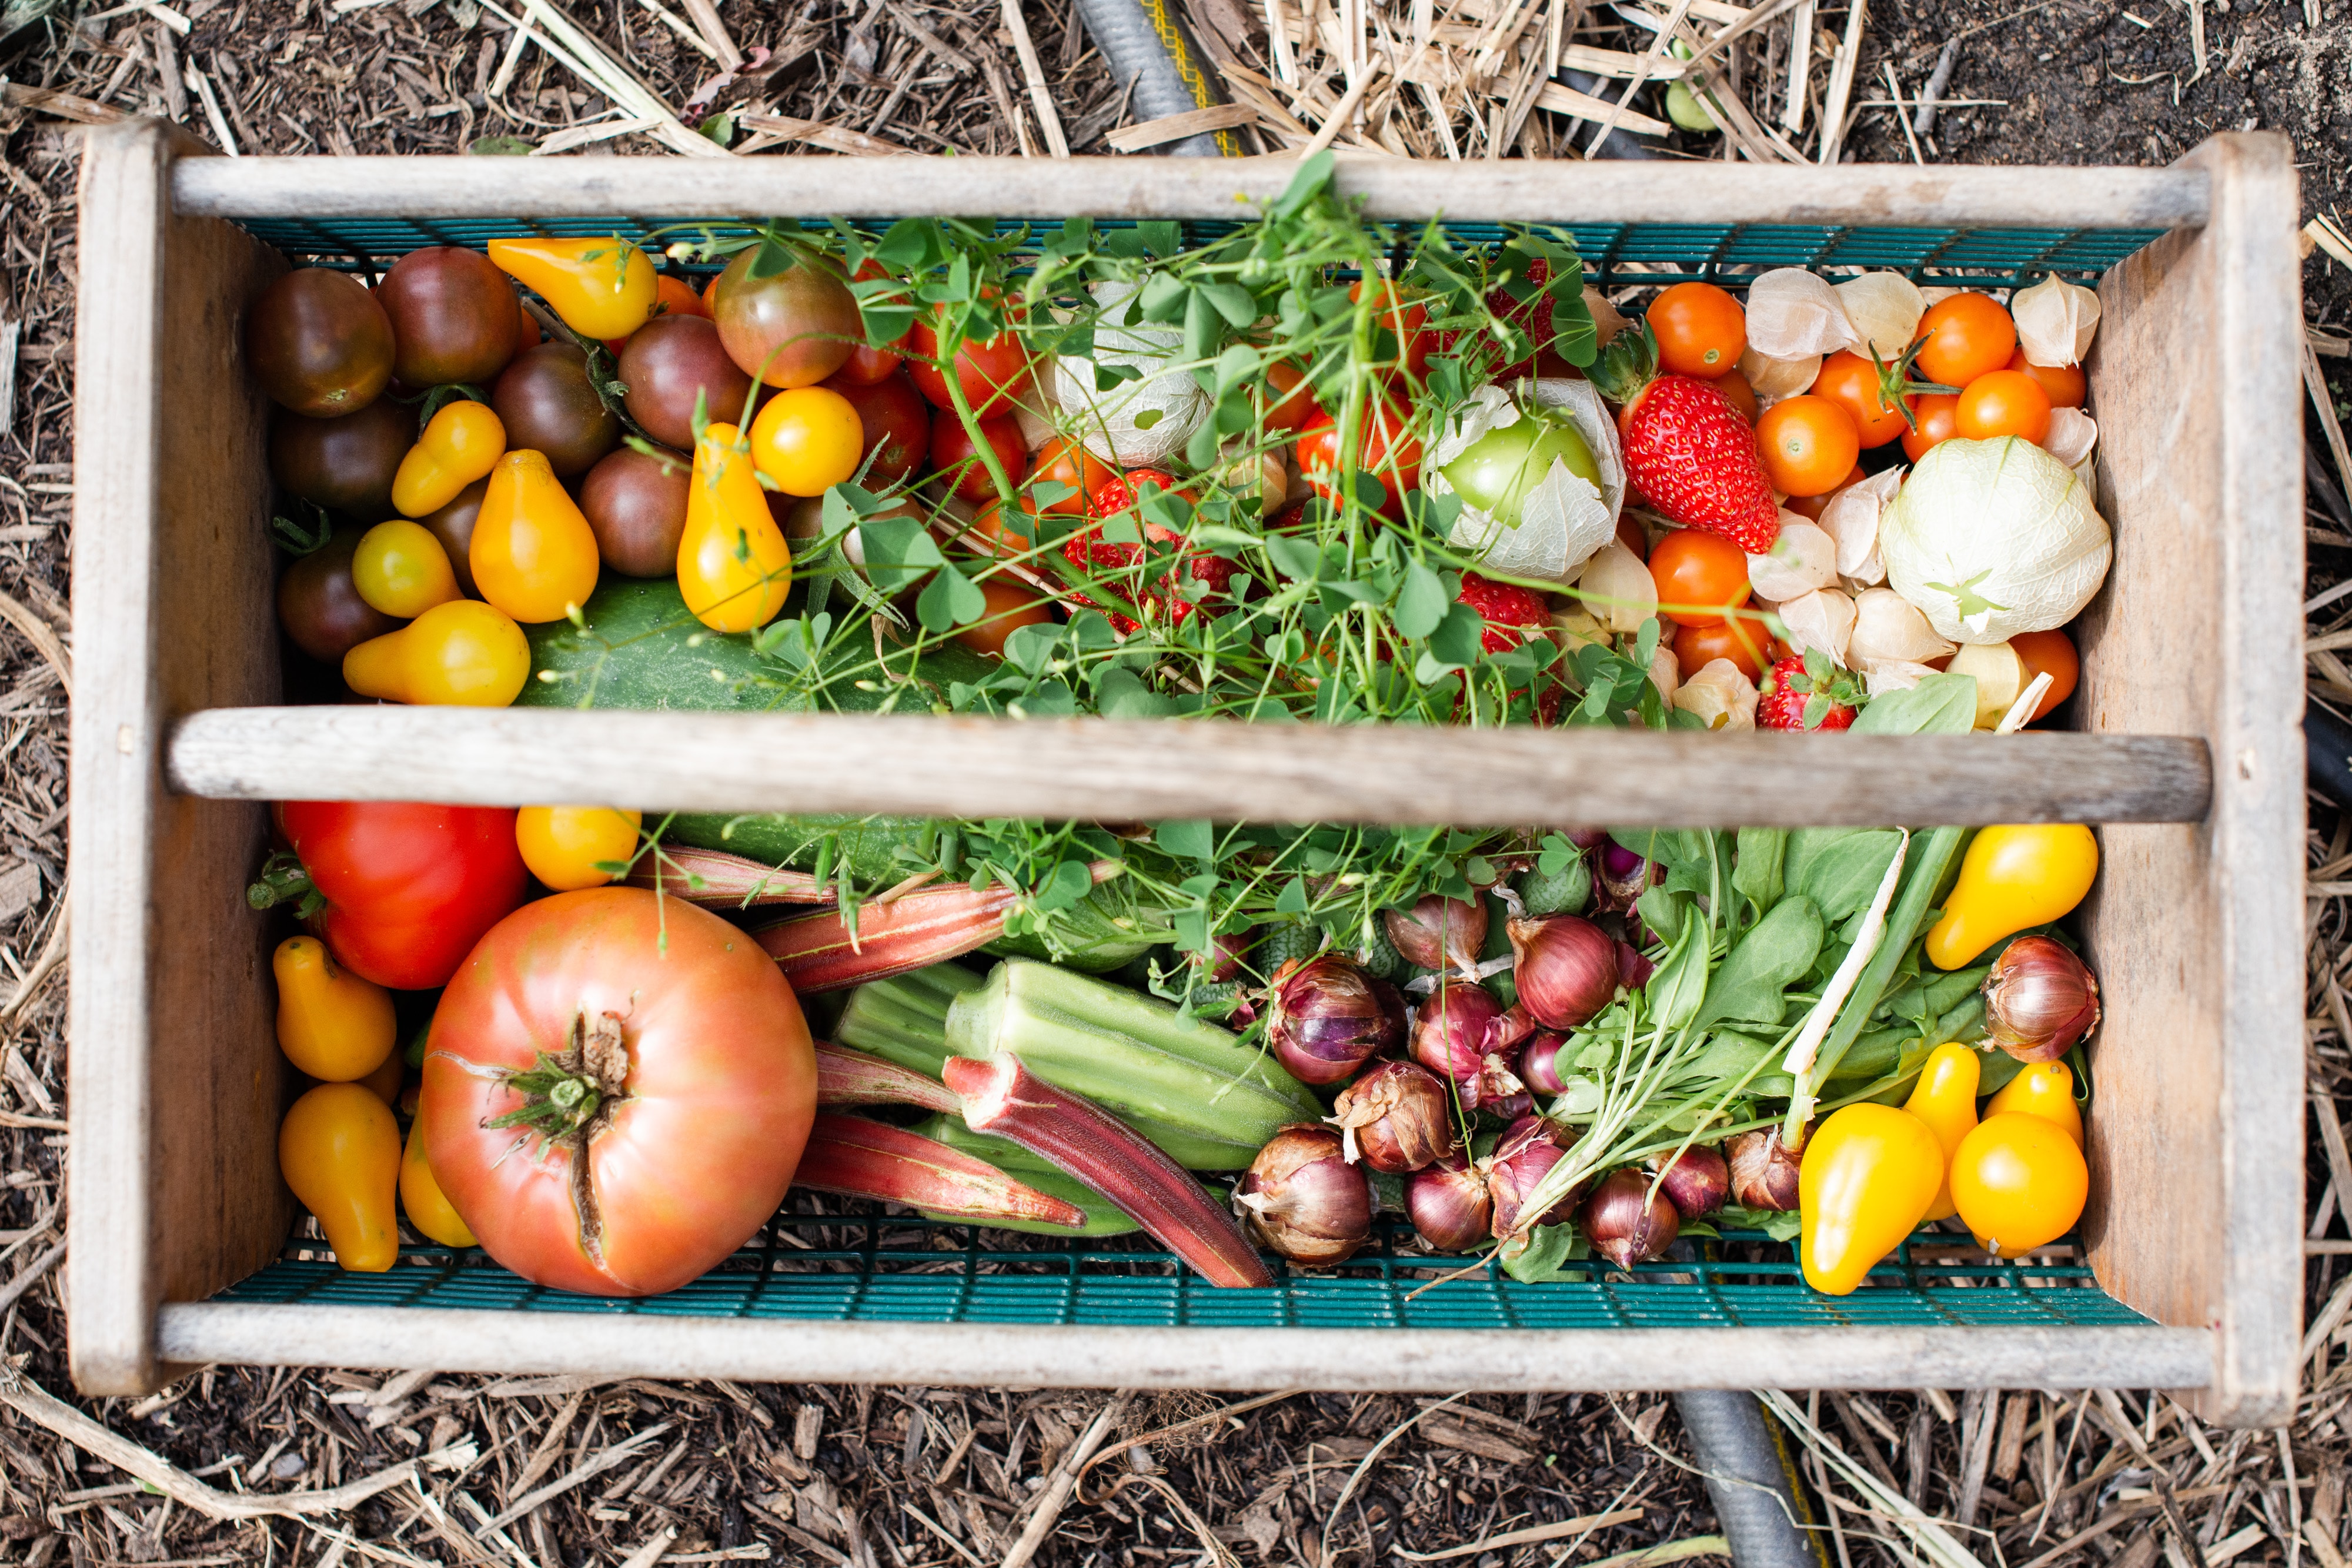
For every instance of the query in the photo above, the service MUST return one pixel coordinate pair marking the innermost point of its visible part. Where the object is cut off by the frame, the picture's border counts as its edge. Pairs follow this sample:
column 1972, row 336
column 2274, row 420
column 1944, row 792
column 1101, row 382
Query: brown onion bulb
column 2040, row 999
column 1565, row 966
column 1449, row 1204
column 1302, row 1198
column 1330, row 1015
column 1439, row 932
column 1696, row 1183
column 1628, row 1219
column 1396, row 1117
column 1523, row 1156
column 1763, row 1171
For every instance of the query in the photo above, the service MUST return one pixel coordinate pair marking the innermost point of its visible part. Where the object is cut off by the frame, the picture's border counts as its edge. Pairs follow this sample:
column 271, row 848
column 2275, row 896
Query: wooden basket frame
column 2191, row 751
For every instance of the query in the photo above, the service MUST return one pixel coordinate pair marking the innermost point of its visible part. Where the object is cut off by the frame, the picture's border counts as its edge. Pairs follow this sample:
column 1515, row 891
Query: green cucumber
column 1104, row 1217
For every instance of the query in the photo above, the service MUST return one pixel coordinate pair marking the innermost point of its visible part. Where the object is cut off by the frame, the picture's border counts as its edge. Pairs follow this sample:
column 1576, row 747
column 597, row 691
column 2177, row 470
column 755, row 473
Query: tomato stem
column 284, row 880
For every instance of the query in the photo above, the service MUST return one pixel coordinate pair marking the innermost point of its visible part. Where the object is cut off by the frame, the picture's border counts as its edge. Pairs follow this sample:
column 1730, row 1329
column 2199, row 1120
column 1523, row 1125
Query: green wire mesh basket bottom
column 868, row 1267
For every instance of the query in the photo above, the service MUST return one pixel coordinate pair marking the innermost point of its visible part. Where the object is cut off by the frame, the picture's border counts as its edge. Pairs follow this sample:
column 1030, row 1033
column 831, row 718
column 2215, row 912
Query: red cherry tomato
column 409, row 888
column 1741, row 638
column 2002, row 403
column 1399, row 332
column 2053, row 651
column 2064, row 383
column 1065, row 460
column 993, row 374
column 1295, row 407
column 1386, row 448
column 896, row 419
column 698, row 1080
column 1705, row 574
column 1933, row 413
column 1968, row 334
column 1701, row 331
column 953, row 453
column 1851, row 382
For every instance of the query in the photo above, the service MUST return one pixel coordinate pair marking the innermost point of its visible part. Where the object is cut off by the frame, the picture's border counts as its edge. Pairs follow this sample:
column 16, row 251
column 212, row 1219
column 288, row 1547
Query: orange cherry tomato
column 1933, row 413
column 2053, row 651
column 1701, row 331
column 672, row 297
column 2002, row 403
column 987, row 533
column 2064, row 383
column 1741, row 638
column 1968, row 334
column 1814, row 506
column 1405, row 320
column 1386, row 449
column 1010, row 606
column 1851, row 382
column 1701, row 577
column 1065, row 460
column 1735, row 388
column 710, row 298
column 1295, row 407
column 1808, row 443
column 2020, row 1182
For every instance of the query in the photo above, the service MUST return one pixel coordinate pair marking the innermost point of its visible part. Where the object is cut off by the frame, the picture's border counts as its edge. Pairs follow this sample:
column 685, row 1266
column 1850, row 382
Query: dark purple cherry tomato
column 636, row 504
column 322, row 612
column 452, row 317
column 547, row 406
column 319, row 343
column 453, row 525
column 345, row 464
column 790, row 329
column 667, row 362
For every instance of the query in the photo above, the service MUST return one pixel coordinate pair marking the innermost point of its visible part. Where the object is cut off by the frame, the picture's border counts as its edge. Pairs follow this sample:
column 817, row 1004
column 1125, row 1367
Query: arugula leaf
column 1839, row 868
column 1777, row 951
column 1938, row 704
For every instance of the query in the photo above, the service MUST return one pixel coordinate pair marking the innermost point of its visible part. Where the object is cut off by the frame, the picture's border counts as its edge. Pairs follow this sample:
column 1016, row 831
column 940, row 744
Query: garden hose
column 1147, row 44
column 2327, row 753
column 1751, row 1479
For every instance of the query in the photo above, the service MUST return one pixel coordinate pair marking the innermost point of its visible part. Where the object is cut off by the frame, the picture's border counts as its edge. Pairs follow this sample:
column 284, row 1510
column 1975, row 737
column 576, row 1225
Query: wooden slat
column 1514, row 190
column 1107, row 770
column 2197, row 933
column 1385, row 1360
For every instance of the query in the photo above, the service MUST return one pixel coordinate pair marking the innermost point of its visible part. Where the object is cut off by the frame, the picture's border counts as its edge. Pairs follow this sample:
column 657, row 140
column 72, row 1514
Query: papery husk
column 1771, row 379
column 1852, row 518
column 1665, row 672
column 2003, row 522
column 1607, row 320
column 1104, row 421
column 2055, row 321
column 1792, row 313
column 2071, row 436
column 1573, row 623
column 1622, row 594
column 1822, row 619
column 1889, row 631
column 1884, row 308
column 1721, row 694
column 1894, row 675
column 1803, row 559
column 1564, row 518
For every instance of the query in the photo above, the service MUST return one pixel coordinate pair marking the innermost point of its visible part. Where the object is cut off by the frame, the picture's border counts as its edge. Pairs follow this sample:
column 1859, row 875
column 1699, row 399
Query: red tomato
column 1812, row 507
column 2002, row 403
column 866, row 365
column 1400, row 331
column 2053, row 652
column 1704, row 572
column 1742, row 639
column 993, row 374
column 1968, row 334
column 1933, row 413
column 409, row 888
column 693, row 1067
column 1295, row 407
column 1010, row 606
column 1064, row 460
column 1808, row 444
column 953, row 453
column 1701, row 331
column 1386, row 447
column 895, row 418
column 2064, row 383
column 1851, row 382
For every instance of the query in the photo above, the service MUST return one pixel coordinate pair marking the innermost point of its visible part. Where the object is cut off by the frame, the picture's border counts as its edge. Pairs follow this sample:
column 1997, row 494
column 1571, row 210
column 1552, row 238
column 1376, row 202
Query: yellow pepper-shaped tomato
column 428, row 1207
column 338, row 1149
column 2044, row 1089
column 733, row 566
column 331, row 1024
column 463, row 654
column 2013, row 877
column 386, row 1081
column 457, row 446
column 1946, row 1099
column 402, row 570
column 2019, row 1183
column 808, row 439
column 602, row 287
column 565, row 845
column 534, row 555
column 1869, row 1173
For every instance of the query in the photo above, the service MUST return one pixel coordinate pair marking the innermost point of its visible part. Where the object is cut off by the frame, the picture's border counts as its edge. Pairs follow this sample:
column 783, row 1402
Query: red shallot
column 1628, row 1219
column 1449, row 1205
column 1527, row 1150
column 1696, row 1182
column 1302, row 1198
column 1396, row 1118
column 1763, row 1171
column 2040, row 999
column 1439, row 932
column 1565, row 966
column 1328, row 1014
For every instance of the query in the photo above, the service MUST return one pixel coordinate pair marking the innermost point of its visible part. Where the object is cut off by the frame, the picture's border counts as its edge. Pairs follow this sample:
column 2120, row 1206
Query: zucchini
column 1191, row 1087
column 1103, row 1216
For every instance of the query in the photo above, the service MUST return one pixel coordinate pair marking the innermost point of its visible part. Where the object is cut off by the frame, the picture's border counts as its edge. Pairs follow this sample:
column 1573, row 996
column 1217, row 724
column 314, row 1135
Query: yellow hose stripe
column 1172, row 38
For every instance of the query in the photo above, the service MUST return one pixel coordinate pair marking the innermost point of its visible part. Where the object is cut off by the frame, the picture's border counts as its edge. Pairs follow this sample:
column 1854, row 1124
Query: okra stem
column 858, row 1158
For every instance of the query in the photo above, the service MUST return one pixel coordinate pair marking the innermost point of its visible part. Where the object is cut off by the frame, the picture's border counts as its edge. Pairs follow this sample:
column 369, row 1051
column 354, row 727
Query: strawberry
column 1505, row 607
column 1687, row 451
column 1123, row 562
column 1809, row 693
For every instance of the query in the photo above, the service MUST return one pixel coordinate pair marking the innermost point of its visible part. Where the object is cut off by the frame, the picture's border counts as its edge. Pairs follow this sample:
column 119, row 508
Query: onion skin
column 1633, row 970
column 1438, row 933
column 2040, row 999
column 1457, row 1028
column 1627, row 1219
column 1528, row 1149
column 1565, row 968
column 1396, row 1118
column 1698, row 1183
column 1301, row 1198
column 1763, row 1171
column 1449, row 1204
column 1328, row 1014
column 1624, row 876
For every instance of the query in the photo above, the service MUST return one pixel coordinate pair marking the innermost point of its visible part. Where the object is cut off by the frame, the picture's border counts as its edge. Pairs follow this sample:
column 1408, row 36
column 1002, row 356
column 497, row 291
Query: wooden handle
column 1102, row 770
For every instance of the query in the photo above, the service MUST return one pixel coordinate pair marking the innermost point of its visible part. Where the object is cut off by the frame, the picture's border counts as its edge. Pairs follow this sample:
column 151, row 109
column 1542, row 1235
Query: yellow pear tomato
column 734, row 568
column 2011, row 878
column 602, row 287
column 1946, row 1099
column 463, row 654
column 1867, row 1178
column 338, row 1149
column 533, row 554
column 459, row 446
column 331, row 1024
column 2043, row 1088
column 428, row 1206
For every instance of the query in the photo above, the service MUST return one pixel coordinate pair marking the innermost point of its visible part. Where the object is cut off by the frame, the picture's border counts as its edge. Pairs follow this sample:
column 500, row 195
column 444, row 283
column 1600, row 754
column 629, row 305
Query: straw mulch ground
column 576, row 1472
